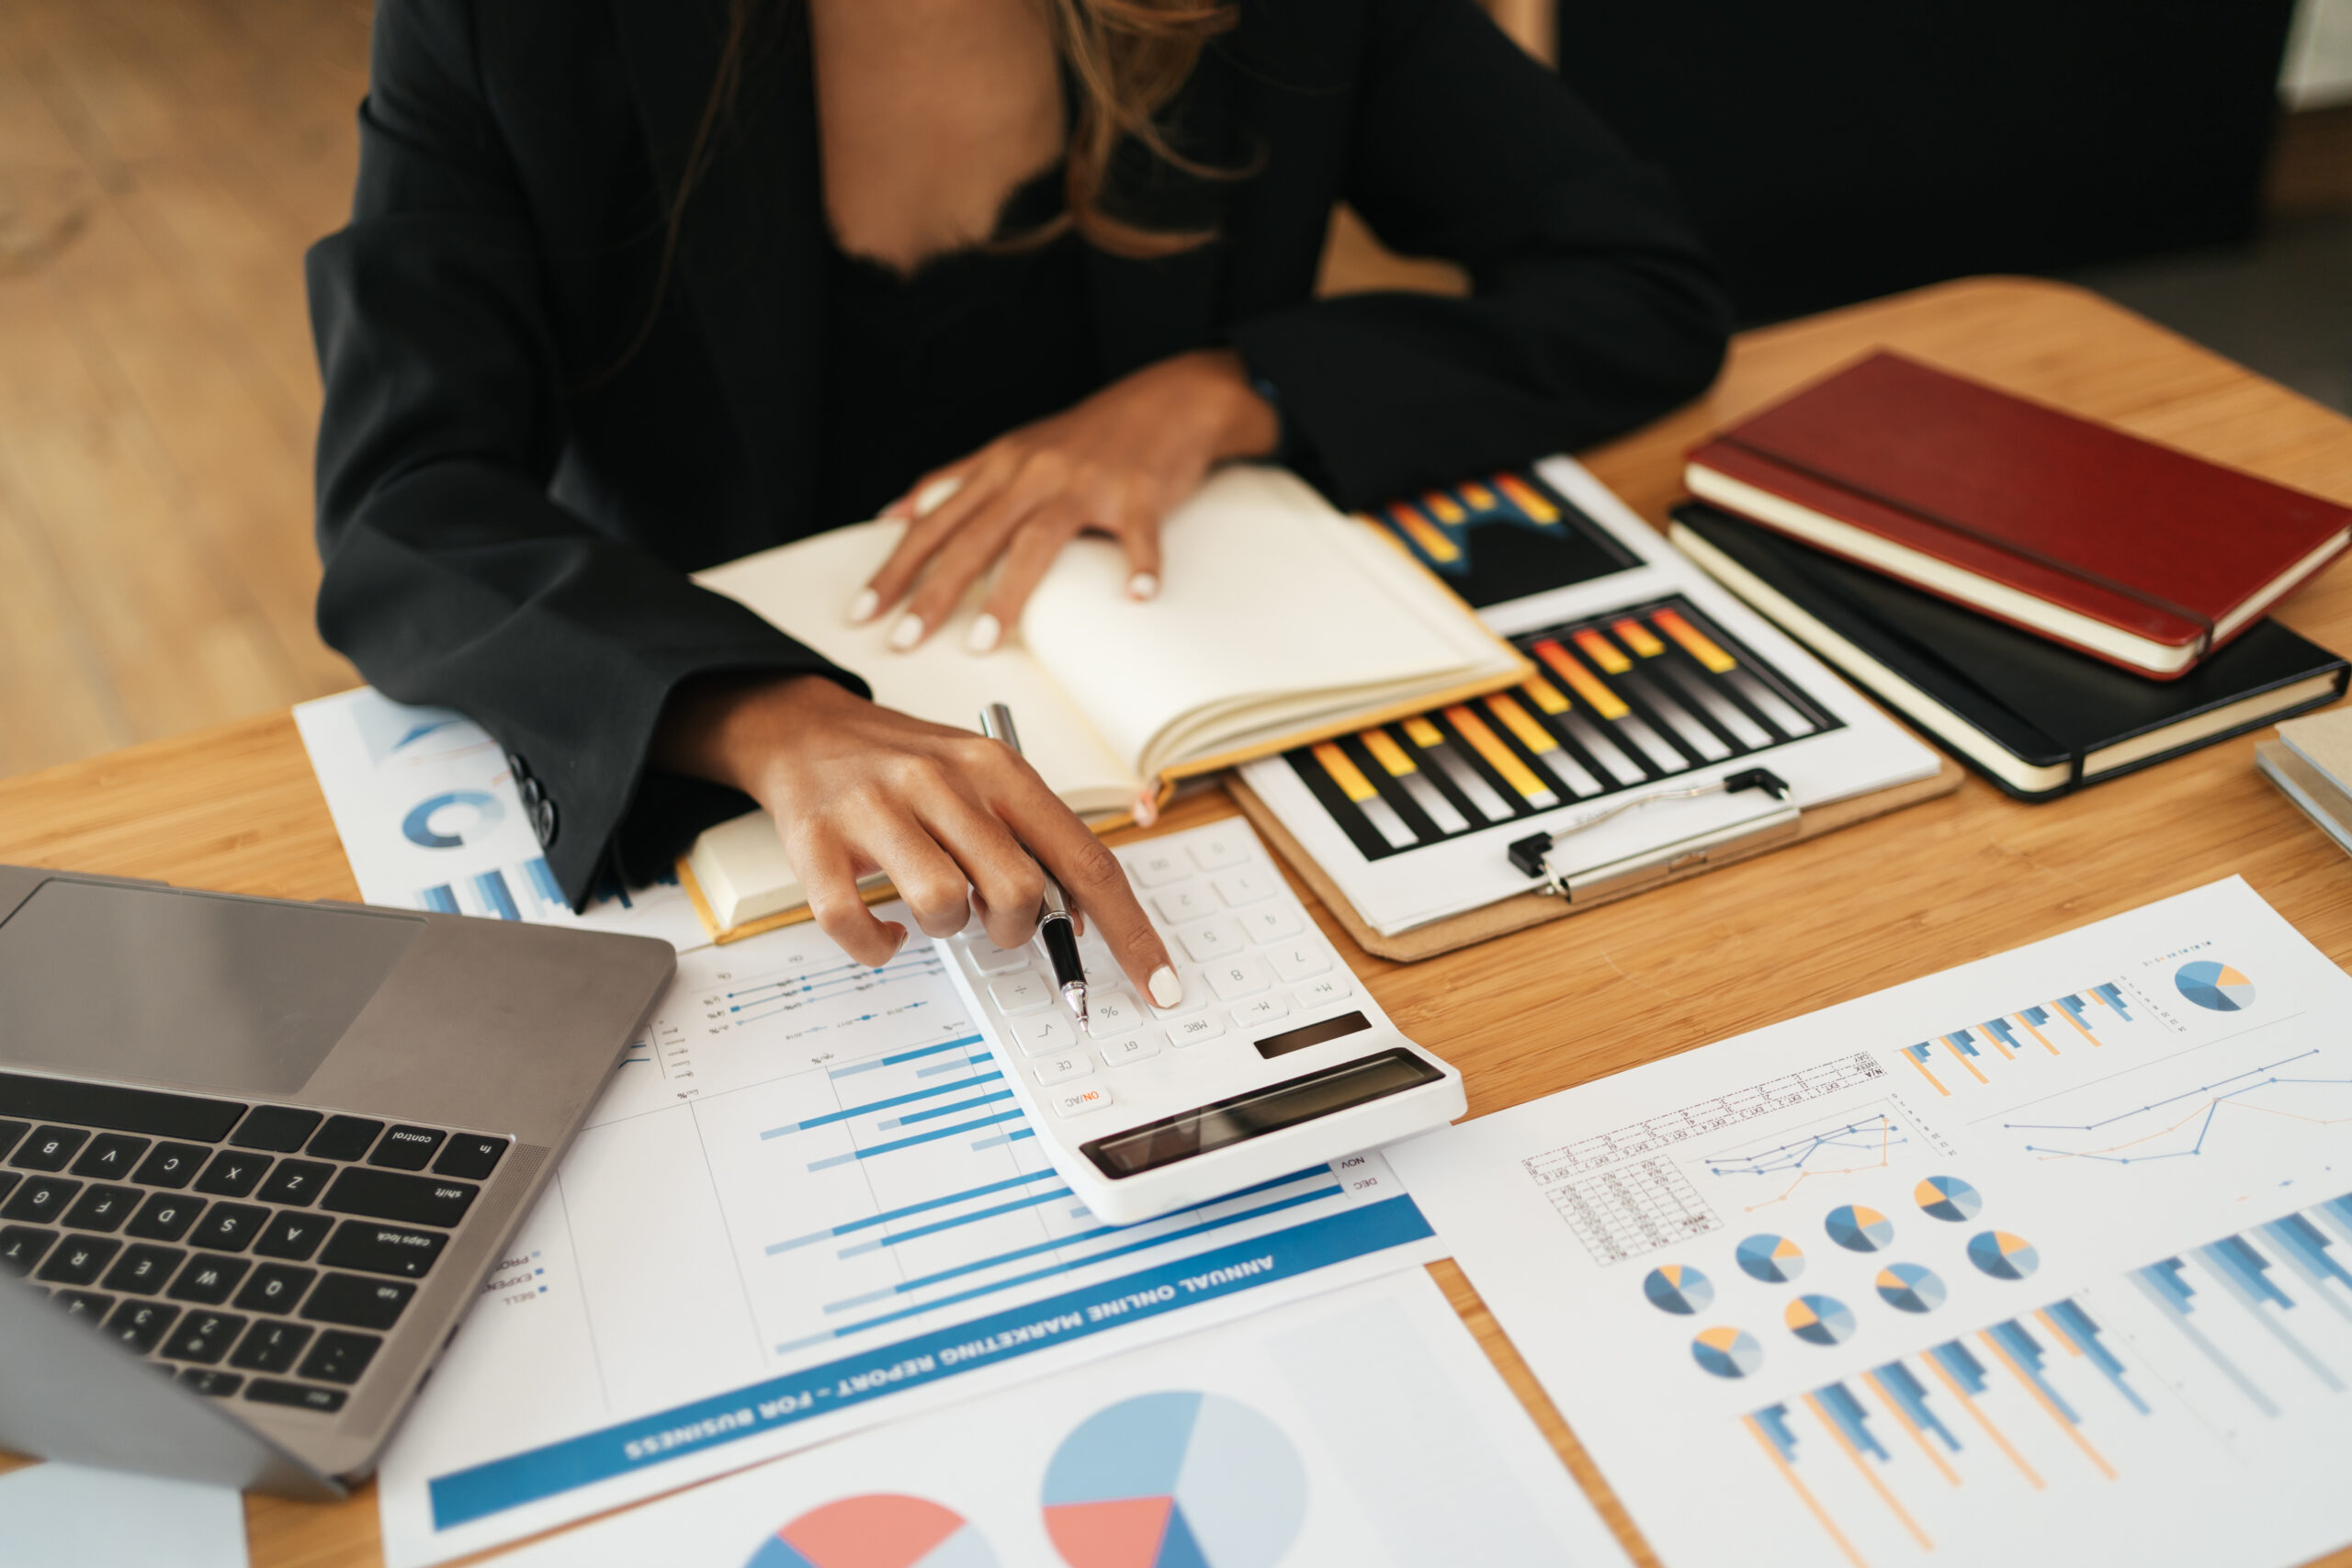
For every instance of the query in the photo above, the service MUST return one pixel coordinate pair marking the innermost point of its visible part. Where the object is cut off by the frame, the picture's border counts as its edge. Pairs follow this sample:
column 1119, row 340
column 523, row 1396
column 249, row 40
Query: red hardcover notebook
column 2131, row 552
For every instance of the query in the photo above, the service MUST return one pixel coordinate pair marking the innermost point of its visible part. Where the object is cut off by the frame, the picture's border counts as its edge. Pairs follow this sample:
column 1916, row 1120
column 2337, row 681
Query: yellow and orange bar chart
column 1621, row 700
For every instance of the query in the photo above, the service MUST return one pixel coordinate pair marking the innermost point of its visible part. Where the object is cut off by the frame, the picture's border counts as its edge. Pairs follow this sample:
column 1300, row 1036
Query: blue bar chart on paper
column 2044, row 1258
column 809, row 1189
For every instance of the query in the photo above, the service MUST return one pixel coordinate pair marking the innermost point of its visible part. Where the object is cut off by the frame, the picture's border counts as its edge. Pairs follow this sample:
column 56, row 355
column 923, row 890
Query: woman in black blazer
column 619, row 300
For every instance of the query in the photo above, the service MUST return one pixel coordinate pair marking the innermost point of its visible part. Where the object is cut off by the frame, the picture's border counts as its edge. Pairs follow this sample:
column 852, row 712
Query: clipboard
column 1678, row 861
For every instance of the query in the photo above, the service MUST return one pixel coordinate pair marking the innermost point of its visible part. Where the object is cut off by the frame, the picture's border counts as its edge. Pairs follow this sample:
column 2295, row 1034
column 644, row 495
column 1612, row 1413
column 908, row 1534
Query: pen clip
column 1774, row 818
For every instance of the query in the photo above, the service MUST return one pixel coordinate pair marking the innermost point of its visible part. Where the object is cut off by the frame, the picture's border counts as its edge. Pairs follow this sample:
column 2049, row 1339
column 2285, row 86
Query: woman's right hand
column 952, row 817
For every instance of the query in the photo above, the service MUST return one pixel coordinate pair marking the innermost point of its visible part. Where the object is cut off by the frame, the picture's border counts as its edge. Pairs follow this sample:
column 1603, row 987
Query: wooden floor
column 161, row 169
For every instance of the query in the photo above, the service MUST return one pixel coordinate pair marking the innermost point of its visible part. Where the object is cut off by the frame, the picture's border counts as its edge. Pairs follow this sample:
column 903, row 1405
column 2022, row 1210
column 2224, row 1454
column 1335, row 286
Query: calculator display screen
column 1259, row 1112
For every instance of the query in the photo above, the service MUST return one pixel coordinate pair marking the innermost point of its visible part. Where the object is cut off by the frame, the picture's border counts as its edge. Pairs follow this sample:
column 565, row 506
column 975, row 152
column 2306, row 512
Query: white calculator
column 1276, row 1060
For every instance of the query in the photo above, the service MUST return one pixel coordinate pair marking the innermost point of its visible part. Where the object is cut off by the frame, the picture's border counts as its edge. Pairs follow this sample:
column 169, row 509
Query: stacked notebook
column 2054, row 599
column 2311, row 763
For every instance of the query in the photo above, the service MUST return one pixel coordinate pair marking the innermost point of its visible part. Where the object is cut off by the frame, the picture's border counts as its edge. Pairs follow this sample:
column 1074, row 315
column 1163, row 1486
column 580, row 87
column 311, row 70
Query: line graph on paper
column 2302, row 1091
column 1779, row 1165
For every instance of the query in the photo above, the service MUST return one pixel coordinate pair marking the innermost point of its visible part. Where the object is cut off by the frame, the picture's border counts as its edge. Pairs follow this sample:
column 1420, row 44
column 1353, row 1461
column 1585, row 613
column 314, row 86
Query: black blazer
column 506, row 521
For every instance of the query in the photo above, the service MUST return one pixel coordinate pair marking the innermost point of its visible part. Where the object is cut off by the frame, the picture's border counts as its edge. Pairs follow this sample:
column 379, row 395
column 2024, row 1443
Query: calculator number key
column 1212, row 940
column 1246, row 885
column 1216, row 852
column 1298, row 960
column 1186, row 901
column 1271, row 923
column 1238, row 977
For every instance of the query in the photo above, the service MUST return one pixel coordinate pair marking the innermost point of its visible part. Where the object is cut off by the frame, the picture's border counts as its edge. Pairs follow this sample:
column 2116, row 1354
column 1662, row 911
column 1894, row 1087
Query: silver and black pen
column 1057, row 932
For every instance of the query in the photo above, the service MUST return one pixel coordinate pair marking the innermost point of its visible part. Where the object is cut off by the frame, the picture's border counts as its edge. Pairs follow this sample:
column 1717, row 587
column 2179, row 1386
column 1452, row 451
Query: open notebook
column 1279, row 622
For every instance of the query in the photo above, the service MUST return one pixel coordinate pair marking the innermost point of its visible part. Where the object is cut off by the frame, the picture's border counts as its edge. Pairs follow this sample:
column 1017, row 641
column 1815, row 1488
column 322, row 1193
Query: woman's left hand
column 1116, row 464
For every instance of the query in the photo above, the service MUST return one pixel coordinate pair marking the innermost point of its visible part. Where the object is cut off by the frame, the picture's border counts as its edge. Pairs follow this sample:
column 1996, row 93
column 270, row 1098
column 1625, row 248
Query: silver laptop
column 258, row 1157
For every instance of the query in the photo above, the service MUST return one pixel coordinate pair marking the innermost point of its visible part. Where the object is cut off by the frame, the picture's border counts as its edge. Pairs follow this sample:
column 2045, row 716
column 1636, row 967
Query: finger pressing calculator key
column 1274, row 1059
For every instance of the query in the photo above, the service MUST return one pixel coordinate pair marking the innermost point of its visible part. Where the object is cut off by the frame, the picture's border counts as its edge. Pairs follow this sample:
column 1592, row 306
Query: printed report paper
column 1361, row 1427
column 809, row 1202
column 2042, row 1259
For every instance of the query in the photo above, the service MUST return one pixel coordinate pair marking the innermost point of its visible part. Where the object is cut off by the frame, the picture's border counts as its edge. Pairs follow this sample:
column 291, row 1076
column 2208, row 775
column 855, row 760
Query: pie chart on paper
column 878, row 1529
column 1820, row 1320
column 1775, row 1259
column 2003, row 1256
column 1680, row 1289
column 1175, row 1480
column 1911, row 1286
column 2215, row 986
column 1727, row 1352
column 1859, row 1229
column 1948, row 1198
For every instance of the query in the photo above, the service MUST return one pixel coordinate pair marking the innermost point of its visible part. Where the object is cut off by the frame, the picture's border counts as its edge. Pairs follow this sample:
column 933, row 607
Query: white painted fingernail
column 861, row 608
column 1165, row 989
column 1143, row 585
column 1146, row 811
column 986, row 633
column 906, row 633
column 936, row 494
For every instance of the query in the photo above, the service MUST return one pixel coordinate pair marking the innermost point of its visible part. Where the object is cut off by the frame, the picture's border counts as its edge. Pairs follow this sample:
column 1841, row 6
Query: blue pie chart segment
column 1175, row 1480
column 1775, row 1259
column 2003, row 1256
column 1911, row 1286
column 1948, row 1198
column 448, row 820
column 1820, row 1320
column 1680, row 1289
column 1859, row 1229
column 1727, row 1352
column 2215, row 986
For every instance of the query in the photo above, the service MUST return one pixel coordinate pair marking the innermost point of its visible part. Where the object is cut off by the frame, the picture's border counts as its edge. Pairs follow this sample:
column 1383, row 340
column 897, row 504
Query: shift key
column 390, row 1195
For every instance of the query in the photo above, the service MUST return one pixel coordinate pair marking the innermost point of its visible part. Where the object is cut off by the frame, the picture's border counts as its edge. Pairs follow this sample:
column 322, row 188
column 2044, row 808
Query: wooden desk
column 1939, row 885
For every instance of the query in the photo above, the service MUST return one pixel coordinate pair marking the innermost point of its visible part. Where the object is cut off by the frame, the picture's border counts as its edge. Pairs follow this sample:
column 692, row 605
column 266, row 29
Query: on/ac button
column 1078, row 1103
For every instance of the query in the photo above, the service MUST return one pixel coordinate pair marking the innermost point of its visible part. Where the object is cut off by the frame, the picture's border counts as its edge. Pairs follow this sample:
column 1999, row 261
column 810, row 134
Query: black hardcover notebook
column 2035, row 718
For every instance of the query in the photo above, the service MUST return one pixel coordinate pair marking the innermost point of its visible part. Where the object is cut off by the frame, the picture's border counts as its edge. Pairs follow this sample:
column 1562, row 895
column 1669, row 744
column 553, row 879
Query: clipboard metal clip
column 1773, row 818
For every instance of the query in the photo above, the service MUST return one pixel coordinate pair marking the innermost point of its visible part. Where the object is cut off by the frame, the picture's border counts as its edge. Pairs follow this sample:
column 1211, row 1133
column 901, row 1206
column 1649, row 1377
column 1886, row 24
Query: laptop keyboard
column 257, row 1251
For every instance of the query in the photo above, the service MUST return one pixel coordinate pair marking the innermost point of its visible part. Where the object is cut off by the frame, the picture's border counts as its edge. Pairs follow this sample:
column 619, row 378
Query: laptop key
column 40, row 1198
column 21, row 1246
column 172, row 1164
column 406, row 1148
column 85, row 1304
column 102, row 1208
column 143, row 1271
column 343, row 1138
column 79, row 1260
column 339, row 1357
column 141, row 1325
column 207, row 1380
column 295, row 1181
column 278, row 1128
column 204, row 1336
column 8, row 1179
column 111, row 1157
column 207, row 1282
column 384, row 1249
column 275, row 1287
column 163, row 1217
column 269, row 1391
column 357, row 1303
column 381, row 1195
column 271, row 1347
column 119, row 1109
column 50, row 1148
column 469, row 1154
column 228, row 1227
column 231, row 1174
column 9, row 1132
column 291, row 1236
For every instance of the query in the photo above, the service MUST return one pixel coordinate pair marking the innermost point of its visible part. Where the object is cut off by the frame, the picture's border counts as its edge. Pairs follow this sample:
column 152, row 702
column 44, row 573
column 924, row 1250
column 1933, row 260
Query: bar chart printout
column 2094, row 1304
column 1623, row 699
column 808, row 1198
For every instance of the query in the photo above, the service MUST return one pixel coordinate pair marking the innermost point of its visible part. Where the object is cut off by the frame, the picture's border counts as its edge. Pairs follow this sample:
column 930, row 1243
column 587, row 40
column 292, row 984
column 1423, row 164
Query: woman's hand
column 951, row 816
column 1116, row 464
